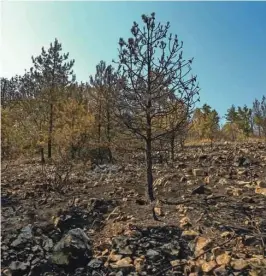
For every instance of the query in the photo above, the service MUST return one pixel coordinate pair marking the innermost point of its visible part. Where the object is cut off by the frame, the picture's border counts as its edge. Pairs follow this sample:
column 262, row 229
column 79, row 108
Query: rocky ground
column 211, row 206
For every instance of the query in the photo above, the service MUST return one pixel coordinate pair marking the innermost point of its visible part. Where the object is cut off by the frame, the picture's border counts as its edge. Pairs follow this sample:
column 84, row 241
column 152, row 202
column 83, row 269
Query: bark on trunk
column 99, row 132
column 173, row 147
column 149, row 170
column 42, row 156
column 182, row 143
column 50, row 132
column 109, row 134
column 73, row 150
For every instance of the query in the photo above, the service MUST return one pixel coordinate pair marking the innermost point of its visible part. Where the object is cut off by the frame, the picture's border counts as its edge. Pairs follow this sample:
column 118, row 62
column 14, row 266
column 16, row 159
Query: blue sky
column 227, row 40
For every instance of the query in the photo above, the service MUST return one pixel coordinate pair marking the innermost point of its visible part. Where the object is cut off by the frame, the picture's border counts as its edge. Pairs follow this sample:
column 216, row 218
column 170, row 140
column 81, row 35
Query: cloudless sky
column 227, row 40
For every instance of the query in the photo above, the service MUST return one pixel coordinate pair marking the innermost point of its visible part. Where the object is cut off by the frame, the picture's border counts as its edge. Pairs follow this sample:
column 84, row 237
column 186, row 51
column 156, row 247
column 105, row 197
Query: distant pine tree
column 52, row 71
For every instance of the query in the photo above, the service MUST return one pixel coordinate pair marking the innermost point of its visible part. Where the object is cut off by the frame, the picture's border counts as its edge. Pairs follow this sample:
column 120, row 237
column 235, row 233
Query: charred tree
column 153, row 84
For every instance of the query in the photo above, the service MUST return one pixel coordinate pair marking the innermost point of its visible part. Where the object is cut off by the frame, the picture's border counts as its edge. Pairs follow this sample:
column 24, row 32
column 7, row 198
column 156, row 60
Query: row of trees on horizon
column 240, row 122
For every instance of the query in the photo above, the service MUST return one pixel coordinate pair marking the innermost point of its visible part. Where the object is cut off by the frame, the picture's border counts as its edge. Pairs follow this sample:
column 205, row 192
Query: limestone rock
column 226, row 234
column 189, row 234
column 239, row 264
column 261, row 191
column 139, row 263
column 202, row 244
column 208, row 266
column 175, row 262
column 185, row 221
column 223, row 259
column 158, row 211
column 114, row 257
column 125, row 262
column 261, row 184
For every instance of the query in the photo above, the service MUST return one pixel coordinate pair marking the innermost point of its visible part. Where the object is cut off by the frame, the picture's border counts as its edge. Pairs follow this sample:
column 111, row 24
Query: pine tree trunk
column 172, row 147
column 108, row 134
column 149, row 170
column 99, row 132
column 149, row 167
column 42, row 155
column 73, row 150
column 50, row 132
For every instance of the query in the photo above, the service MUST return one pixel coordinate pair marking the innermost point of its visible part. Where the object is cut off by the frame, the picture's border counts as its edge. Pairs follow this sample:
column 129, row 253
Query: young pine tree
column 52, row 70
column 153, row 78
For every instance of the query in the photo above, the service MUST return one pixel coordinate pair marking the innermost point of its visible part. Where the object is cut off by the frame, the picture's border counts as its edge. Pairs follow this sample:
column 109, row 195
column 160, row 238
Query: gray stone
column 35, row 261
column 23, row 237
column 95, row 263
column 74, row 245
column 171, row 248
column 30, row 257
column 79, row 270
column 48, row 244
column 152, row 254
column 220, row 271
column 126, row 251
column 16, row 266
column 36, row 248
column 120, row 242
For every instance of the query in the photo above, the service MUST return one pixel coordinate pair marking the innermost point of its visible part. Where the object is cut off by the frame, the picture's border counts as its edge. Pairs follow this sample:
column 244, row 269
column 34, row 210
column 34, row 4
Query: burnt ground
column 211, row 205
